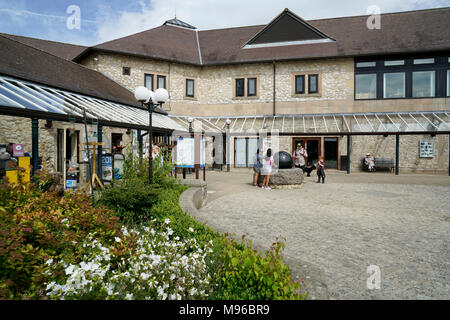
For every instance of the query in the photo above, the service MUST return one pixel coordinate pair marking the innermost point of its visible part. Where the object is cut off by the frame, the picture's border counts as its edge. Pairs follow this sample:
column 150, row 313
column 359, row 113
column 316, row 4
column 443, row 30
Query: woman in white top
column 267, row 169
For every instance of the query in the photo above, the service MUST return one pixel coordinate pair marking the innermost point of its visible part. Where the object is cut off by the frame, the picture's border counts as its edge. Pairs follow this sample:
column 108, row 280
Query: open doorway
column 331, row 150
column 312, row 146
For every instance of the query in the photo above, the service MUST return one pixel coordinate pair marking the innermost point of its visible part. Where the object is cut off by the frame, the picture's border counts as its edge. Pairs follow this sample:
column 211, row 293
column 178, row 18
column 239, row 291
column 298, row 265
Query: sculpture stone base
column 284, row 179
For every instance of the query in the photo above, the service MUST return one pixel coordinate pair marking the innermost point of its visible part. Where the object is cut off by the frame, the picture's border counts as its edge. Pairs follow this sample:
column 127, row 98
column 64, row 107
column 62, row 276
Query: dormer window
column 287, row 29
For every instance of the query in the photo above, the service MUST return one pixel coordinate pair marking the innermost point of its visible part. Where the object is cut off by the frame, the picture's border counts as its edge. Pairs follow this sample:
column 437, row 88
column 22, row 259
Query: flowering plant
column 160, row 266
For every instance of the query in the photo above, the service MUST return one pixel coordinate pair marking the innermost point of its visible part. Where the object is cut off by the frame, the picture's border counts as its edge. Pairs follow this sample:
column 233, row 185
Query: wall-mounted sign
column 426, row 149
column 18, row 150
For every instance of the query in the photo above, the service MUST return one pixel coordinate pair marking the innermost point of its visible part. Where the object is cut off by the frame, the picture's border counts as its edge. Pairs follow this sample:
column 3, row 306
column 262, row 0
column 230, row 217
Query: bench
column 380, row 163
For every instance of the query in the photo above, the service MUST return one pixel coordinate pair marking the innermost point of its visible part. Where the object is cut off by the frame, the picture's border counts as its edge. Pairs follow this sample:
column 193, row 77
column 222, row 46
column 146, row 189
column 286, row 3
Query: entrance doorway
column 331, row 146
column 312, row 146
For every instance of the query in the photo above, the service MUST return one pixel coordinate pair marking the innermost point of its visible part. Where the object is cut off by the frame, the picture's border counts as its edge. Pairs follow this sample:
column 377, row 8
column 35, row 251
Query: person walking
column 300, row 155
column 321, row 169
column 257, row 165
column 267, row 169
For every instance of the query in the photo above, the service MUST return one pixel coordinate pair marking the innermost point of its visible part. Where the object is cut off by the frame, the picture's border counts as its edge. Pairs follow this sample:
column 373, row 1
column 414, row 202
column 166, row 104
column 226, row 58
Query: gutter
column 274, row 97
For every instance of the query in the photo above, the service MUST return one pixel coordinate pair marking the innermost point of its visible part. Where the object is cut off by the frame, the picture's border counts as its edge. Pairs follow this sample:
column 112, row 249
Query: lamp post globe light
column 190, row 119
column 150, row 99
column 228, row 121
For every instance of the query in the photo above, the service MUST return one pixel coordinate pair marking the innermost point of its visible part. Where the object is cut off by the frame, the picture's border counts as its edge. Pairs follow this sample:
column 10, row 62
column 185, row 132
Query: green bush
column 36, row 227
column 131, row 200
column 136, row 168
column 246, row 274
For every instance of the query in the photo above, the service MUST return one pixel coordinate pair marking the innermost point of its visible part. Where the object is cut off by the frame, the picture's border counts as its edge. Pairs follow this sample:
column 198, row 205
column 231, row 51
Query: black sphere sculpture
column 283, row 159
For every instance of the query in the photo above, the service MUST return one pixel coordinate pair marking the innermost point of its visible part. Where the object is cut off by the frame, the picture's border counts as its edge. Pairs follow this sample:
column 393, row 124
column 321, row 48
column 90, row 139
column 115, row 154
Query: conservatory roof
column 368, row 123
column 29, row 99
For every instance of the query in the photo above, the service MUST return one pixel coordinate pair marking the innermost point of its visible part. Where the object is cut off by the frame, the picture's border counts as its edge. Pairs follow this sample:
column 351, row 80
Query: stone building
column 321, row 82
column 46, row 99
column 290, row 69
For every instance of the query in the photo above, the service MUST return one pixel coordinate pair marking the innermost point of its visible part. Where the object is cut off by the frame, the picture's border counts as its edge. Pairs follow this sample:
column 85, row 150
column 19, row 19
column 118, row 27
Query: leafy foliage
column 247, row 274
column 36, row 226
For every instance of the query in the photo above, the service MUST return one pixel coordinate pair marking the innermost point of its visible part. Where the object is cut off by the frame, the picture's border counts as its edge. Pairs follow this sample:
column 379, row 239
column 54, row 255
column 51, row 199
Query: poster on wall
column 185, row 152
column 107, row 170
column 426, row 149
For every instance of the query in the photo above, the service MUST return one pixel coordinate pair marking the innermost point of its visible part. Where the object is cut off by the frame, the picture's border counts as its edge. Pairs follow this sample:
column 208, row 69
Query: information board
column 185, row 152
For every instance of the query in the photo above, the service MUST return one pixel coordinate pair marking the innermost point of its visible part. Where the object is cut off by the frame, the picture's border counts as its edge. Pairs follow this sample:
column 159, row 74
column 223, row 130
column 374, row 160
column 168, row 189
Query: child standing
column 267, row 169
column 321, row 169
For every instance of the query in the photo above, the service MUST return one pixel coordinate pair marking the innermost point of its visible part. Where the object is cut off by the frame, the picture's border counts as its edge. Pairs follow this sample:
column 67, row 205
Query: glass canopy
column 337, row 123
column 19, row 94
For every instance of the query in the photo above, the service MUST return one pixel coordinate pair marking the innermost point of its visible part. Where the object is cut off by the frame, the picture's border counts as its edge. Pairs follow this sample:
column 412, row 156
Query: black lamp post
column 228, row 121
column 190, row 124
column 148, row 99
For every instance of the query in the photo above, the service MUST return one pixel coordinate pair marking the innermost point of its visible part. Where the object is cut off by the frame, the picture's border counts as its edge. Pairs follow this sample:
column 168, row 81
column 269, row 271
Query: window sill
column 306, row 95
column 190, row 98
column 246, row 98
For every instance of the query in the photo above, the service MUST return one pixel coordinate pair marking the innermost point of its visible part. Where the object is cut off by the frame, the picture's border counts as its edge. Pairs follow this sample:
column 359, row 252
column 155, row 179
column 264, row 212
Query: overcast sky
column 103, row 20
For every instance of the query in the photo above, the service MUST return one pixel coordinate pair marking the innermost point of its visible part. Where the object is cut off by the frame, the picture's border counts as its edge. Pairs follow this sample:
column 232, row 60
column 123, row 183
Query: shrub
column 35, row 227
column 132, row 200
column 247, row 274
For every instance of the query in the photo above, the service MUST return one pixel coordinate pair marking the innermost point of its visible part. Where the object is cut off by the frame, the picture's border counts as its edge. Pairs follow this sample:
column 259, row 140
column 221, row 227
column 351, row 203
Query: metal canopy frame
column 26, row 99
column 367, row 123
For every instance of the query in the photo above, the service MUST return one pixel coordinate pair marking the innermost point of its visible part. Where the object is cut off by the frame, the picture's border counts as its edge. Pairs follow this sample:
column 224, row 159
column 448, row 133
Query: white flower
column 167, row 221
column 117, row 239
column 69, row 269
column 190, row 229
column 193, row 291
column 129, row 296
column 49, row 262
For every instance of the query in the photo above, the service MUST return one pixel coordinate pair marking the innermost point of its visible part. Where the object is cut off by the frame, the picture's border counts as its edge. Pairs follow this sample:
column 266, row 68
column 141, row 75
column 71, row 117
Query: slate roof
column 28, row 63
column 63, row 50
column 402, row 32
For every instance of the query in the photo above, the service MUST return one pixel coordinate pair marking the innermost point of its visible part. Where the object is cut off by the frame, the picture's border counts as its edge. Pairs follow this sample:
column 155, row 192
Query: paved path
column 336, row 230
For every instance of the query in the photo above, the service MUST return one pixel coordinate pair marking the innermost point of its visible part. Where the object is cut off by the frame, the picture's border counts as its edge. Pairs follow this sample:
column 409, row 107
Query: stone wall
column 409, row 157
column 18, row 130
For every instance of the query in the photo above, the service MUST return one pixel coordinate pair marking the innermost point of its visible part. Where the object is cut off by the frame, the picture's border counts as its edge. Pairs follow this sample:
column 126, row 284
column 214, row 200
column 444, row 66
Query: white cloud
column 213, row 14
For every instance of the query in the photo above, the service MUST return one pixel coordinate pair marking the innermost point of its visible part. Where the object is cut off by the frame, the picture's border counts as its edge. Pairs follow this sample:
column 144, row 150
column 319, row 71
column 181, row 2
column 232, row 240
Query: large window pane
column 300, row 84
column 366, row 86
column 240, row 153
column 423, row 84
column 312, row 83
column 162, row 82
column 251, row 87
column 148, row 81
column 448, row 83
column 394, row 85
column 251, row 151
column 239, row 87
column 189, row 87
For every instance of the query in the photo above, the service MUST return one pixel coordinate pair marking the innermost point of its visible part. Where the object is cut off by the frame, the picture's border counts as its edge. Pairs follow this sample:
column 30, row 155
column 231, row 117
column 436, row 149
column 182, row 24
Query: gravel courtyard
column 334, row 231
